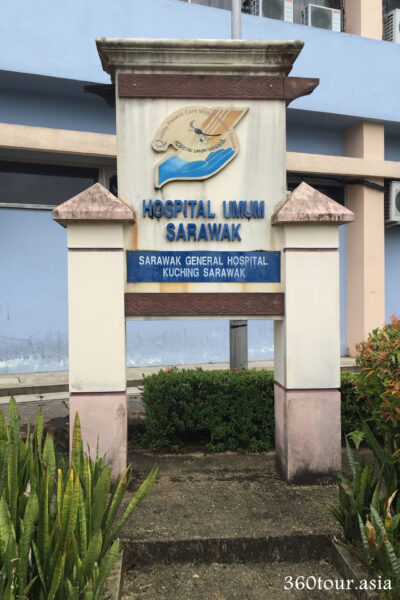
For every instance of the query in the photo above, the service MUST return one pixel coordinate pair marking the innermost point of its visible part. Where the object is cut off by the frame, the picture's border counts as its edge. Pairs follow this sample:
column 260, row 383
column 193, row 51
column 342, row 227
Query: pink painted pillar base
column 103, row 417
column 307, row 434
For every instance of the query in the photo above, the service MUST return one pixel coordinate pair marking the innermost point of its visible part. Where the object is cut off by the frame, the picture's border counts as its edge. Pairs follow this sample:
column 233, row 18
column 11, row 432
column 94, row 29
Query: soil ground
column 231, row 581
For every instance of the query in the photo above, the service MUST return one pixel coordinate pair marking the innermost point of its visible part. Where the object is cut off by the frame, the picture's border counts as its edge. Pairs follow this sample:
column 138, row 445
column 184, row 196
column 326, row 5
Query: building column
column 307, row 340
column 364, row 17
column 365, row 240
column 96, row 283
column 238, row 345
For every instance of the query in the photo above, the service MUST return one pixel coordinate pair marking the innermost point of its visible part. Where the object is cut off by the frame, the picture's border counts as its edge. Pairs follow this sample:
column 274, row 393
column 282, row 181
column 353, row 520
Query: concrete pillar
column 238, row 347
column 96, row 277
column 307, row 341
column 364, row 17
column 365, row 240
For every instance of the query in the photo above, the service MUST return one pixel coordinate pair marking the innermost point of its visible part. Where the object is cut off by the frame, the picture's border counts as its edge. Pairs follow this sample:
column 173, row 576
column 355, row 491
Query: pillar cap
column 307, row 205
column 95, row 203
column 199, row 57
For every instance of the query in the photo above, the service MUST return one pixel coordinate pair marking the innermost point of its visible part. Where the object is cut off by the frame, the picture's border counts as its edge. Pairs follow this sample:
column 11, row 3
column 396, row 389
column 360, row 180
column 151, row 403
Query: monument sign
column 202, row 229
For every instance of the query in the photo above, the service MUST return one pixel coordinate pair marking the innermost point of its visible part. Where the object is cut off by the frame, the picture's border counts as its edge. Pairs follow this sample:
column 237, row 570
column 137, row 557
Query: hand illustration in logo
column 204, row 140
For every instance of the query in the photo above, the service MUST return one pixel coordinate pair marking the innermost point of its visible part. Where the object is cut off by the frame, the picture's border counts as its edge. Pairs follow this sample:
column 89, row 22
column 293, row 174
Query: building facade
column 57, row 137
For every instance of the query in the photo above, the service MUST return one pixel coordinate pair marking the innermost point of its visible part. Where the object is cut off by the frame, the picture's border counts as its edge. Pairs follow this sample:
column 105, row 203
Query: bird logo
column 200, row 141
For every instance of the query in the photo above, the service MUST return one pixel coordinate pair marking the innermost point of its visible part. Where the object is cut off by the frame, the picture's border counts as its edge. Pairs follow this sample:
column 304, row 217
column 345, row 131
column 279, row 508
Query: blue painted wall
column 33, row 292
column 392, row 272
column 313, row 139
column 49, row 102
column 57, row 39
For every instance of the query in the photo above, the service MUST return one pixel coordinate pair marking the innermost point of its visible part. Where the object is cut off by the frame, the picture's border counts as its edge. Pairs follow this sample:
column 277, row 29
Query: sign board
column 199, row 194
column 203, row 266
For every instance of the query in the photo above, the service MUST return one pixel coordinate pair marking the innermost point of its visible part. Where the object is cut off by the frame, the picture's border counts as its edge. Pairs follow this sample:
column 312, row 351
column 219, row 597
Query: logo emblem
column 203, row 141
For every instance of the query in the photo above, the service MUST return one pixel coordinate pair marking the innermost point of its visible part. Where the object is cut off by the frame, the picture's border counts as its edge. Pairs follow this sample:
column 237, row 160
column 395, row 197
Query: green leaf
column 64, row 520
column 28, row 587
column 76, row 451
column 394, row 561
column 39, row 566
column 57, row 575
column 38, row 432
column 73, row 513
column 88, row 594
column 60, row 491
column 72, row 594
column 376, row 495
column 92, row 553
column 356, row 437
column 49, row 459
column 106, row 565
column 88, row 497
column 100, row 498
column 394, row 522
column 13, row 417
column 382, row 456
column 82, row 522
column 116, row 499
column 43, row 534
column 364, row 489
column 367, row 549
column 3, row 427
column 11, row 559
column 12, row 472
column 140, row 495
column 350, row 459
column 24, row 546
column 6, row 528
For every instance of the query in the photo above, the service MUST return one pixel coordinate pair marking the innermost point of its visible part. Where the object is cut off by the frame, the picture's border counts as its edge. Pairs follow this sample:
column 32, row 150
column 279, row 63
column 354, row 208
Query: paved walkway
column 50, row 390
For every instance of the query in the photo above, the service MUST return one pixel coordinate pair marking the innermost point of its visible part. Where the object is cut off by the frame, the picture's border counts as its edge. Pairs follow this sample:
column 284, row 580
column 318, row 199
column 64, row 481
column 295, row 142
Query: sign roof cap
column 307, row 205
column 95, row 203
column 200, row 57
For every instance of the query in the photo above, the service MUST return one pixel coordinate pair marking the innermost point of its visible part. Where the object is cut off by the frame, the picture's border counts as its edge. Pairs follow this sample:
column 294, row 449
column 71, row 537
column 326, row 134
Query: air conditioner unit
column 273, row 9
column 392, row 202
column 321, row 16
column 391, row 26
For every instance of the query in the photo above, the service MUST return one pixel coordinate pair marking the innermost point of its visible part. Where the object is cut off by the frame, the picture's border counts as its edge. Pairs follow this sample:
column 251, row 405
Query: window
column 33, row 185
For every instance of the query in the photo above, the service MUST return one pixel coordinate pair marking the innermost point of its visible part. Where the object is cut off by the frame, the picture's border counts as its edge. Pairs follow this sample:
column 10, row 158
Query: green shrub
column 378, row 383
column 353, row 410
column 58, row 538
column 230, row 409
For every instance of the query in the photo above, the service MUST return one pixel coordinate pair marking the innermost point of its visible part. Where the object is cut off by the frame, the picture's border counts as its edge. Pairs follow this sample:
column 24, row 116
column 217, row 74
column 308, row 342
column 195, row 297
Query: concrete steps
column 227, row 526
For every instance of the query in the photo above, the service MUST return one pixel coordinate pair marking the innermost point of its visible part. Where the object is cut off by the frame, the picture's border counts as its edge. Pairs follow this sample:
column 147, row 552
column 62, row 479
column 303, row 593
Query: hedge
column 230, row 410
